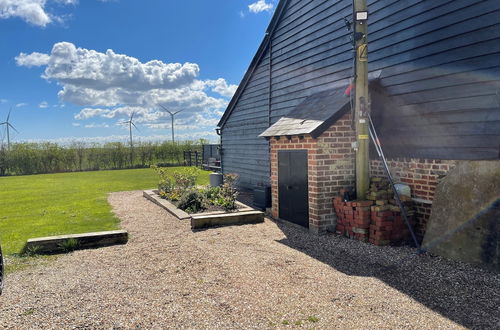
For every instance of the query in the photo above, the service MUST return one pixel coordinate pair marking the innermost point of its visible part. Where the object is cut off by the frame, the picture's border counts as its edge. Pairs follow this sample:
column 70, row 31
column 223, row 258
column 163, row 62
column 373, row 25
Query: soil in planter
column 211, row 208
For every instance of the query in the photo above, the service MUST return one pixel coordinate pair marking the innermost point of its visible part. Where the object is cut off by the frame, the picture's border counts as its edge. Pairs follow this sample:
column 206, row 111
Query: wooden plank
column 67, row 243
column 312, row 66
column 445, row 153
column 463, row 116
column 491, row 141
column 153, row 196
column 411, row 73
column 447, row 80
column 417, row 18
column 256, row 120
column 305, row 27
column 454, row 104
column 477, row 48
column 449, row 92
column 326, row 76
column 227, row 219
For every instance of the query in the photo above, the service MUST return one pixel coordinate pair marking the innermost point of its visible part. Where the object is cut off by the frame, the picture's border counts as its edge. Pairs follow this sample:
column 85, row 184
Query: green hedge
column 36, row 158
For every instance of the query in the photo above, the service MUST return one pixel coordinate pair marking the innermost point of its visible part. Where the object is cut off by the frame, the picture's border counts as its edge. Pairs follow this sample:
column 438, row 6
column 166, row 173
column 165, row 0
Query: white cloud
column 75, row 124
column 31, row 11
column 22, row 104
column 3, row 101
column 221, row 87
column 33, row 59
column 43, row 105
column 260, row 6
column 112, row 86
column 101, row 71
column 68, row 2
column 90, row 113
column 93, row 125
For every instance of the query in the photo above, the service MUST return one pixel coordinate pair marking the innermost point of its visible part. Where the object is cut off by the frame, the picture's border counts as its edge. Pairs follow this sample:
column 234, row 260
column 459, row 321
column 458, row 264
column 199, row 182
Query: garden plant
column 181, row 189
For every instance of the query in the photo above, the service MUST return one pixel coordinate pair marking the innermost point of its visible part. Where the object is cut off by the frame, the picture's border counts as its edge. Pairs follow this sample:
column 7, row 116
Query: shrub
column 186, row 179
column 227, row 194
column 212, row 194
column 174, row 184
column 32, row 158
column 192, row 201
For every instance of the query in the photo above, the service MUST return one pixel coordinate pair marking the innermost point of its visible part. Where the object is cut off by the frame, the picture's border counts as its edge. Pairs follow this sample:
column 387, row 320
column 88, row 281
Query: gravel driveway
column 253, row 276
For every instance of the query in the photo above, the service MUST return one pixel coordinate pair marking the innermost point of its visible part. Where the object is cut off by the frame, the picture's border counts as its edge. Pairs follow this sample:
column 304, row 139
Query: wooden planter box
column 244, row 214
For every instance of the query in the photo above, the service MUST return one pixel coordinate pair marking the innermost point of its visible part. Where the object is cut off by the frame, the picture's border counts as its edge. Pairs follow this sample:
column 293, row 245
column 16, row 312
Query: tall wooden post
column 362, row 102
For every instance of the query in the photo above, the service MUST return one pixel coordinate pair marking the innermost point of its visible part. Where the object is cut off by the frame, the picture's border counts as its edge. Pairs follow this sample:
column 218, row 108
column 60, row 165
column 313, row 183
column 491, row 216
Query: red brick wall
column 422, row 175
column 330, row 168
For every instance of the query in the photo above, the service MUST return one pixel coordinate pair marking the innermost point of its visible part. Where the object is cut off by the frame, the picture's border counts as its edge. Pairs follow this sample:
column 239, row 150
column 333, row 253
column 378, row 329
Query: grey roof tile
column 309, row 115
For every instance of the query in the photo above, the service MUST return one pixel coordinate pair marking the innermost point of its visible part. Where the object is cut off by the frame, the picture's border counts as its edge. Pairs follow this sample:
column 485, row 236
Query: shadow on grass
column 462, row 293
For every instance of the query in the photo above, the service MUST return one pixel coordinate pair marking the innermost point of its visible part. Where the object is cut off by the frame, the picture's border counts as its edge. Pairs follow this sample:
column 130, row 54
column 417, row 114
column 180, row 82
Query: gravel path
column 254, row 276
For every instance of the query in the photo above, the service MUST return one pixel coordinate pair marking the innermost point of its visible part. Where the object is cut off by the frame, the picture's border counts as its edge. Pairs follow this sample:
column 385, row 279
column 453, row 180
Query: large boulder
column 465, row 219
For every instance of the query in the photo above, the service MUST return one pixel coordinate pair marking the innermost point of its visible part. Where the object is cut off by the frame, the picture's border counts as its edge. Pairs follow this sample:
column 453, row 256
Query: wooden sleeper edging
column 152, row 195
column 56, row 244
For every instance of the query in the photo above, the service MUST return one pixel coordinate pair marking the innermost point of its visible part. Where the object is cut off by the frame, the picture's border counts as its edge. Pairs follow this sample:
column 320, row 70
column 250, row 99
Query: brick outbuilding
column 320, row 129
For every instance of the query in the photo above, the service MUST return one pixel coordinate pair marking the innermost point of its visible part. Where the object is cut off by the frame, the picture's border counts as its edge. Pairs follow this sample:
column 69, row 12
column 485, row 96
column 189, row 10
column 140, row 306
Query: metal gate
column 293, row 194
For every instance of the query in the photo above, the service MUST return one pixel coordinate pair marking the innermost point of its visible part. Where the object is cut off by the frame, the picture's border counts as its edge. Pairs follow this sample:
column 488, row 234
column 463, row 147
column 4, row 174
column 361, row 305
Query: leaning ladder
column 380, row 152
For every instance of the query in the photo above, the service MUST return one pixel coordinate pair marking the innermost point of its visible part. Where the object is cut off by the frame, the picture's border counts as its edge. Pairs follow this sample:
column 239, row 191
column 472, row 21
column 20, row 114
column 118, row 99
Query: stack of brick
column 400, row 231
column 353, row 218
column 382, row 221
column 387, row 225
column 361, row 221
column 345, row 214
column 378, row 220
column 379, row 190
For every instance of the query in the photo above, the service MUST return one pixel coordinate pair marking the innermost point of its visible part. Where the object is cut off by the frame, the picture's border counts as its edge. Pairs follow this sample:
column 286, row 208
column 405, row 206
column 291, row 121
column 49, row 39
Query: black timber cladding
column 440, row 63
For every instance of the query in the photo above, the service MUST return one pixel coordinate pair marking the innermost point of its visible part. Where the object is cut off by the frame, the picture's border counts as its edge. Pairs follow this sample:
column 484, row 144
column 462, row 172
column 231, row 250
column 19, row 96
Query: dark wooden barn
column 435, row 102
column 439, row 78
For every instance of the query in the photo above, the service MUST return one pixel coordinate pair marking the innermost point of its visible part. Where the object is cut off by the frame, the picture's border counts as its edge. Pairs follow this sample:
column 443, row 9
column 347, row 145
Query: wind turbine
column 130, row 123
column 8, row 126
column 172, row 114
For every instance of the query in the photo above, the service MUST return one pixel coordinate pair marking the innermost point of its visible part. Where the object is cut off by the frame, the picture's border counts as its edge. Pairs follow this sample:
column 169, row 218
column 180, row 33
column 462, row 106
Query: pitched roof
column 317, row 112
column 312, row 115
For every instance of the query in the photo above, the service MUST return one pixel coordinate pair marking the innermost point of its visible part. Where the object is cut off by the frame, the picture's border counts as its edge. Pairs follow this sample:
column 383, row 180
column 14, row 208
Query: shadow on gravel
column 464, row 294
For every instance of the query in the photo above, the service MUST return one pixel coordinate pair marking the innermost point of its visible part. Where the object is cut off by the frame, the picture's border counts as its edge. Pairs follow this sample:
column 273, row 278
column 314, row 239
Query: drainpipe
column 270, row 98
column 218, row 131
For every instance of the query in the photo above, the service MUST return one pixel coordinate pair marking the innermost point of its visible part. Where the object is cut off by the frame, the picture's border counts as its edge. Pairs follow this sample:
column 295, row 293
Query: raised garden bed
column 242, row 215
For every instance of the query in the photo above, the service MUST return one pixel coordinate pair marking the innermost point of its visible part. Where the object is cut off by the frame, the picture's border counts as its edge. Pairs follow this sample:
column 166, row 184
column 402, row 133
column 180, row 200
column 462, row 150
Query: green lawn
column 64, row 203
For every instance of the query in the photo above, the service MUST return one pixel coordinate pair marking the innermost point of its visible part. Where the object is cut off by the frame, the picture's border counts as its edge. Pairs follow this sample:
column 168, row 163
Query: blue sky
column 72, row 70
